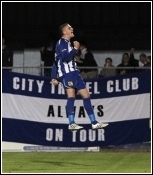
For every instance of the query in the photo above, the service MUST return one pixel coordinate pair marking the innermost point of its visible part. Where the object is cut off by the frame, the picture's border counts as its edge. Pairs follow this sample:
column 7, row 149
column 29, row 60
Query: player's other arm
column 54, row 78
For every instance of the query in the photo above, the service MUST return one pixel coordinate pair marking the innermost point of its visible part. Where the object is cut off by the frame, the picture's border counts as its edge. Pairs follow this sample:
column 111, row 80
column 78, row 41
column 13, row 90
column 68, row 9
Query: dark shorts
column 73, row 80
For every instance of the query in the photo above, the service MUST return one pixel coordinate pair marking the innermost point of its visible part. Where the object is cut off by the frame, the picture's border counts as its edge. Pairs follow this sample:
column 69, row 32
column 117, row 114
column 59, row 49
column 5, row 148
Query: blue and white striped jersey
column 64, row 59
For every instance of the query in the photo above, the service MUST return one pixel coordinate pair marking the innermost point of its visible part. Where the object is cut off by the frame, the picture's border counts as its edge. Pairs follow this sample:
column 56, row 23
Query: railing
column 39, row 70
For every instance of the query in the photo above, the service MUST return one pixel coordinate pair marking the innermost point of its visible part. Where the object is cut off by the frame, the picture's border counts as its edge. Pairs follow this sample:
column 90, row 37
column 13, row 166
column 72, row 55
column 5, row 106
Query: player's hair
column 61, row 28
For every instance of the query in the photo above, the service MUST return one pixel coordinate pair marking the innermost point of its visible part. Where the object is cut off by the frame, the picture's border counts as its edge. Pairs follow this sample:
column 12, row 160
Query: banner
column 33, row 111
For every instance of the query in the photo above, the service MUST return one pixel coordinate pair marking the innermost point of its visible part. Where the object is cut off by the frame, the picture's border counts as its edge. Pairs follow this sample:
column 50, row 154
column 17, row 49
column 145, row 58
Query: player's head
column 65, row 30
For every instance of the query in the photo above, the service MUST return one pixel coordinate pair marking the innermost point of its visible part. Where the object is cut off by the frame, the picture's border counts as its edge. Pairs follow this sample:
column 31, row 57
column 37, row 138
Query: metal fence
column 39, row 70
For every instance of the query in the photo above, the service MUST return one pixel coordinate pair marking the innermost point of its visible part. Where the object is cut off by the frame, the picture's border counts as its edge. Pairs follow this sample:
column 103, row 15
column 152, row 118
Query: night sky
column 104, row 25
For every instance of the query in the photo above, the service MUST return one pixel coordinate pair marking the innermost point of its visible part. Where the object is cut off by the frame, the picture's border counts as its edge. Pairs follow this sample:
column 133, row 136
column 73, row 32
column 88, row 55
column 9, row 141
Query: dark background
column 104, row 25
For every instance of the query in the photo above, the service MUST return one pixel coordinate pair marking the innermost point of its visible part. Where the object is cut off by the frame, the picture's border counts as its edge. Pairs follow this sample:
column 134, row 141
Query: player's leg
column 70, row 109
column 88, row 106
column 70, row 104
column 68, row 82
column 82, row 90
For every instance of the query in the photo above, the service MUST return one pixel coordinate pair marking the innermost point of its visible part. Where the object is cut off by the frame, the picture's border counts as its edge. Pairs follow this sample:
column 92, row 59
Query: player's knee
column 85, row 95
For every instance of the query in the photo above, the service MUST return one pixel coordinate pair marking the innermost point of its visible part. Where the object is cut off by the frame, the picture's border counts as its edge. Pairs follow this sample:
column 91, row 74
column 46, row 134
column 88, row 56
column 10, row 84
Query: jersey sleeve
column 54, row 71
column 65, row 53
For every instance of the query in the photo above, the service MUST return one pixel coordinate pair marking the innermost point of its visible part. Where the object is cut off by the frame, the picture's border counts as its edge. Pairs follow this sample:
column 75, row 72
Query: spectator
column 125, row 63
column 7, row 55
column 87, row 60
column 138, row 63
column 135, row 62
column 47, row 56
column 148, row 61
column 79, row 60
column 109, row 69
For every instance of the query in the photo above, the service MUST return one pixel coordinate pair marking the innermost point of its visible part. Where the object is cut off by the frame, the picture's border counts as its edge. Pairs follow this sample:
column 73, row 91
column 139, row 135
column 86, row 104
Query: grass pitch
column 76, row 162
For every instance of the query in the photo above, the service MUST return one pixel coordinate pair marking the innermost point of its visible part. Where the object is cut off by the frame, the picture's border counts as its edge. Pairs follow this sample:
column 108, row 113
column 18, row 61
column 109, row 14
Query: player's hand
column 54, row 82
column 76, row 44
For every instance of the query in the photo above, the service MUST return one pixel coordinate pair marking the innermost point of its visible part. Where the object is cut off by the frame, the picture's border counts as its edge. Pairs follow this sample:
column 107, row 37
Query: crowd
column 85, row 61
